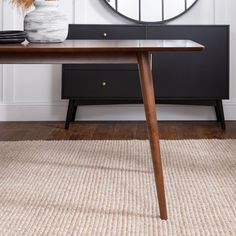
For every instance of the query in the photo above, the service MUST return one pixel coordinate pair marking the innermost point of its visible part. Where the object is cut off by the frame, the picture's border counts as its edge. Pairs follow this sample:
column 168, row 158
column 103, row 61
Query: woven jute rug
column 107, row 188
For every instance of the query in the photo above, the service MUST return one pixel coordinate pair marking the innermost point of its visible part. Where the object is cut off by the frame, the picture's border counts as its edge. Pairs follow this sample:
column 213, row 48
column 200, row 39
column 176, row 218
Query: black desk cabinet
column 195, row 78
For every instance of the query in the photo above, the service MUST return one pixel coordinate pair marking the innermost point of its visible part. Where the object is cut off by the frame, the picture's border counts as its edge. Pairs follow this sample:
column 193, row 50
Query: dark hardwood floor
column 15, row 131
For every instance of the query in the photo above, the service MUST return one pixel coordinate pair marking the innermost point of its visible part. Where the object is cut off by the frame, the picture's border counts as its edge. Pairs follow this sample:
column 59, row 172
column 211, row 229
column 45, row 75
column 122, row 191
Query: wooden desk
column 112, row 52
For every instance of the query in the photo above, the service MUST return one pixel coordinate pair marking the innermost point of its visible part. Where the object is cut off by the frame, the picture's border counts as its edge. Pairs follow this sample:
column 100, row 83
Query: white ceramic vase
column 46, row 23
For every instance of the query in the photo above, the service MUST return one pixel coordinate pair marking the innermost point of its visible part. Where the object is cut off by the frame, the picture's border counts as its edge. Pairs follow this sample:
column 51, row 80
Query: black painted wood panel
column 107, row 32
column 203, row 75
column 105, row 84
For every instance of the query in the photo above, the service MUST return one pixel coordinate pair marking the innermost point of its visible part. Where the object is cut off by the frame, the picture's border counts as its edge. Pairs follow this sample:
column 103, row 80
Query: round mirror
column 151, row 11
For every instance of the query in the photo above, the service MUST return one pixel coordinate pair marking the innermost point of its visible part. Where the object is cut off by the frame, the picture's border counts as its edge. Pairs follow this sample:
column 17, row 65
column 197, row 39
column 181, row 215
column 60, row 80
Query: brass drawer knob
column 104, row 84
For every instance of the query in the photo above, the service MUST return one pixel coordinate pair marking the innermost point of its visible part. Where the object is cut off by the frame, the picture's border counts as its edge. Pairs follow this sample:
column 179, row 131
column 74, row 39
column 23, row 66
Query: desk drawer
column 100, row 84
column 106, row 32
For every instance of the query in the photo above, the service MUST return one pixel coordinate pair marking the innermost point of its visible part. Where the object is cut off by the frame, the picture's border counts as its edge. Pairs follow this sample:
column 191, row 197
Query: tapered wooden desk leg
column 150, row 110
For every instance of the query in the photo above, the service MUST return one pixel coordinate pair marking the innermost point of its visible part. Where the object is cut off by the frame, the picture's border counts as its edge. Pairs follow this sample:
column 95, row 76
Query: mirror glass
column 150, row 10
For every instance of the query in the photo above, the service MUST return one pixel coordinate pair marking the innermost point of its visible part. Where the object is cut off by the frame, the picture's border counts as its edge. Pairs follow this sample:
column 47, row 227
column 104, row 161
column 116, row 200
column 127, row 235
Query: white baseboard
column 57, row 112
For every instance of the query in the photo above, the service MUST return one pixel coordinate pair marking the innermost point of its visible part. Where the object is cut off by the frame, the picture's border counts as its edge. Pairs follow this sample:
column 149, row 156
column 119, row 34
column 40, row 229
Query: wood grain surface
column 104, row 46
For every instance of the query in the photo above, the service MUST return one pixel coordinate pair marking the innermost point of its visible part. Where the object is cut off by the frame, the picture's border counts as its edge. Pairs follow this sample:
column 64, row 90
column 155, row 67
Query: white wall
column 32, row 92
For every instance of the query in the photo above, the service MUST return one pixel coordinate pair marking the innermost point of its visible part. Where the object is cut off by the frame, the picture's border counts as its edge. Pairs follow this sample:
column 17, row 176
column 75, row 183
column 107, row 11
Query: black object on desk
column 9, row 36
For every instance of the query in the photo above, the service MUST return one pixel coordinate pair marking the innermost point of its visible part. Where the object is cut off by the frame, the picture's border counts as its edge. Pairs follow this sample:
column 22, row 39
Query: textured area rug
column 107, row 188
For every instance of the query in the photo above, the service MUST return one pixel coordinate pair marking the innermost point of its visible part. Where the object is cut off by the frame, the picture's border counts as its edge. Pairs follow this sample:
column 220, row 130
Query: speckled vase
column 46, row 24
